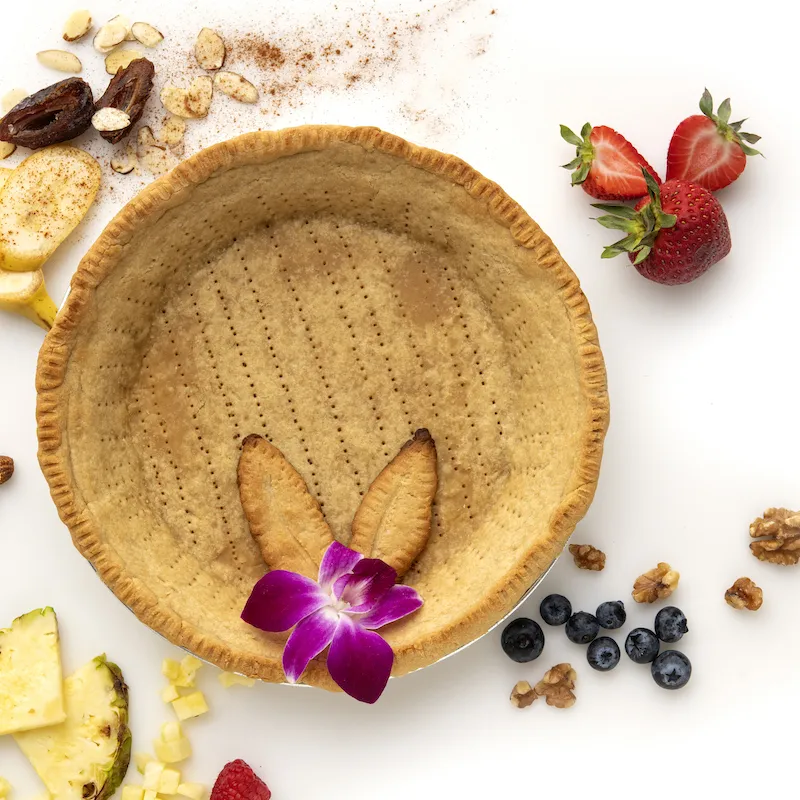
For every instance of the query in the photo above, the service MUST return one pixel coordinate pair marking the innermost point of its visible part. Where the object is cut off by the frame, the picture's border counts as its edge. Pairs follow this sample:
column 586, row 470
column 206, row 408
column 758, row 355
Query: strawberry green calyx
column 584, row 152
column 730, row 131
column 641, row 227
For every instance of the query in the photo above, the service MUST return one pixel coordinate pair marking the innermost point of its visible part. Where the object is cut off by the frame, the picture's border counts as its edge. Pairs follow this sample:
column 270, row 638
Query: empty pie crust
column 331, row 289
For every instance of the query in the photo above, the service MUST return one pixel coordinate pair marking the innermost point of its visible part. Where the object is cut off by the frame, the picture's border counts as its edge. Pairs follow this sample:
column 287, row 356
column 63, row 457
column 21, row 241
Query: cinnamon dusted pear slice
column 393, row 522
column 284, row 518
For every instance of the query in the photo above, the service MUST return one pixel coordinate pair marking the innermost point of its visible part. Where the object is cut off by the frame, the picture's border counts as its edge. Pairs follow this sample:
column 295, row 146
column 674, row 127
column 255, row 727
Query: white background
column 704, row 433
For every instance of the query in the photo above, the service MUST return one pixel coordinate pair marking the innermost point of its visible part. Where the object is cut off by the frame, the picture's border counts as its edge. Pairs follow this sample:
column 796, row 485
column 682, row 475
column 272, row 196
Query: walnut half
column 588, row 557
column 523, row 695
column 744, row 594
column 556, row 686
column 656, row 584
column 778, row 536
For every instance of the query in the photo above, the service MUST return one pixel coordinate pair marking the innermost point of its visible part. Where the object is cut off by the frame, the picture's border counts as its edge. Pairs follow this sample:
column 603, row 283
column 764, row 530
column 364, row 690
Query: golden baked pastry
column 331, row 289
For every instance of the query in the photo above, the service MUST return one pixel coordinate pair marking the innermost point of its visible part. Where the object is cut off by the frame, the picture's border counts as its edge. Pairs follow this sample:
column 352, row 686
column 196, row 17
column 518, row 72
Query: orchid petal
column 281, row 599
column 311, row 636
column 398, row 602
column 369, row 581
column 360, row 661
column 337, row 561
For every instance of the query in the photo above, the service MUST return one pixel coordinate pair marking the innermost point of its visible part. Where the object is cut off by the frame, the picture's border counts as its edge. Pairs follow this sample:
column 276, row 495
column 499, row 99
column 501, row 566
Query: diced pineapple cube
column 170, row 669
column 187, row 672
column 193, row 705
column 228, row 679
column 173, row 752
column 131, row 792
column 5, row 788
column 170, row 781
column 191, row 664
column 170, row 731
column 170, row 693
column 150, row 794
column 142, row 760
column 194, row 791
column 152, row 775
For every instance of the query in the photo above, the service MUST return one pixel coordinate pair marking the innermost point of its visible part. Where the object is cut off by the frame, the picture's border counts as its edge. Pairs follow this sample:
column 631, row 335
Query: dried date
column 54, row 114
column 128, row 91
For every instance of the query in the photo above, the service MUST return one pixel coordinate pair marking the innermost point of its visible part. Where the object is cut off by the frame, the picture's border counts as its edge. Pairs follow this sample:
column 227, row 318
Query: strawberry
column 238, row 782
column 707, row 149
column 607, row 165
column 673, row 235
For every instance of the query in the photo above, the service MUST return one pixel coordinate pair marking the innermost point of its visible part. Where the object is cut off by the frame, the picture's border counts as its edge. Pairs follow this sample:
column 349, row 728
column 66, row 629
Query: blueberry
column 611, row 614
column 642, row 645
column 523, row 640
column 603, row 654
column 671, row 624
column 555, row 609
column 582, row 627
column 671, row 670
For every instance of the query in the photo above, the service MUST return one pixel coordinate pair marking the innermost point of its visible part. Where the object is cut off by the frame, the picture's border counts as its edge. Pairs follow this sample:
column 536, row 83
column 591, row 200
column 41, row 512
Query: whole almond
column 60, row 60
column 209, row 49
column 6, row 468
column 235, row 86
column 146, row 34
column 77, row 25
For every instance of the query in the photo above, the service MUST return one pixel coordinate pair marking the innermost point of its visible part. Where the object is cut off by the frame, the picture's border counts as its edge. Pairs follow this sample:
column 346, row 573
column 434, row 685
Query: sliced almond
column 172, row 131
column 124, row 163
column 284, row 517
column 146, row 34
column 110, row 35
column 235, row 86
column 12, row 98
column 77, row 25
column 156, row 160
column 120, row 59
column 145, row 138
column 60, row 60
column 393, row 522
column 191, row 103
column 121, row 19
column 110, row 119
column 209, row 49
column 6, row 149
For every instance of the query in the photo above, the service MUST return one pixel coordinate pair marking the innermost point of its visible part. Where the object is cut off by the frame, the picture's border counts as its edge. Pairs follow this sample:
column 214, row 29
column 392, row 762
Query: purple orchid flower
column 353, row 596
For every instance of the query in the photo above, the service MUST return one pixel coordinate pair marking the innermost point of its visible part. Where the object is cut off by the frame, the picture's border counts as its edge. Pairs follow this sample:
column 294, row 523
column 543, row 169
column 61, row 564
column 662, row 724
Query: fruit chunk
column 228, row 679
column 172, row 752
column 152, row 775
column 170, row 693
column 170, row 780
column 708, row 149
column 31, row 689
column 25, row 293
column 236, row 781
column 86, row 756
column 171, row 669
column 5, row 789
column 171, row 731
column 194, row 791
column 131, row 792
column 142, row 760
column 607, row 165
column 193, row 705
column 42, row 202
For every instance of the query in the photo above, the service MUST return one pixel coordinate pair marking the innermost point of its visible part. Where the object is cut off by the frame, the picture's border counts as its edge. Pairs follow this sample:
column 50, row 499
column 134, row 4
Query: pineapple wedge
column 41, row 203
column 85, row 757
column 31, row 690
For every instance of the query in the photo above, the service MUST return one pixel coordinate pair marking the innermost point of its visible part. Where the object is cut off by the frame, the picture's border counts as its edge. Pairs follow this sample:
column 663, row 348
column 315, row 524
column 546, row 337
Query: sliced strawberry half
column 607, row 165
column 709, row 150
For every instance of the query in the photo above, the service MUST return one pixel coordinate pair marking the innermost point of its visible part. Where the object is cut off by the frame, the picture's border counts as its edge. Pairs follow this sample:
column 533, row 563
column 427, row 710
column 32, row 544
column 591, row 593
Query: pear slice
column 31, row 693
column 86, row 756
column 25, row 293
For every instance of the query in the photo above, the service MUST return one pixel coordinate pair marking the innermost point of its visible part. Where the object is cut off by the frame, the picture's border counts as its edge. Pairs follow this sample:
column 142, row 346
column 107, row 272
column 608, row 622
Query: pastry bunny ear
column 393, row 522
column 284, row 518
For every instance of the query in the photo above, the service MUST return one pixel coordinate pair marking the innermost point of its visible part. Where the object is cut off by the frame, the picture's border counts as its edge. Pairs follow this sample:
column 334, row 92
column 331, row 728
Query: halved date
column 55, row 114
column 128, row 91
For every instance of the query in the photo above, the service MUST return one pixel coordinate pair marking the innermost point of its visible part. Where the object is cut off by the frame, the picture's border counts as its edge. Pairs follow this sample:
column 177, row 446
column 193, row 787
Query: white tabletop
column 703, row 382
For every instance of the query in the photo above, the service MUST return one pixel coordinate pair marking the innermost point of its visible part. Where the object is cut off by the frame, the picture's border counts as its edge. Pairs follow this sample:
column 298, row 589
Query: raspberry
column 238, row 782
